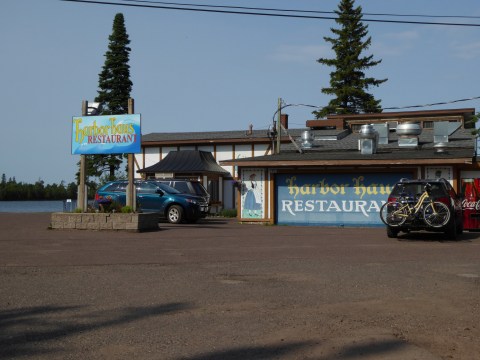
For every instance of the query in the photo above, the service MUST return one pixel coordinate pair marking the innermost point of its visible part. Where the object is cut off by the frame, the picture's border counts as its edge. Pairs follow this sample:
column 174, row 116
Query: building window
column 213, row 190
column 427, row 125
column 356, row 127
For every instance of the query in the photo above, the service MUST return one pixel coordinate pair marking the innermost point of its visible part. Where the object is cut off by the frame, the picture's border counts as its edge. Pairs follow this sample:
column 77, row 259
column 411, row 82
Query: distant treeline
column 12, row 190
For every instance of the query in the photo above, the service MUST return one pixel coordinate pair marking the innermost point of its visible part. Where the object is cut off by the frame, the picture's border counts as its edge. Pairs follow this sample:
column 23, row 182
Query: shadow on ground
column 299, row 350
column 31, row 331
column 467, row 236
column 253, row 353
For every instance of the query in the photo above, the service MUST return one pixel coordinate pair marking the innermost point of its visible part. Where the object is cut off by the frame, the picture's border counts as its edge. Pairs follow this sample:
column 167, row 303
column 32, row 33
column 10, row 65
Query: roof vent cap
column 307, row 139
column 440, row 148
column 409, row 129
column 368, row 141
column 368, row 132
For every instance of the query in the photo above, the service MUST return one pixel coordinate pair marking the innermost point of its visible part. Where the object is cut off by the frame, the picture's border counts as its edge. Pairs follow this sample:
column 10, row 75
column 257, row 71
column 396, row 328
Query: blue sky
column 196, row 71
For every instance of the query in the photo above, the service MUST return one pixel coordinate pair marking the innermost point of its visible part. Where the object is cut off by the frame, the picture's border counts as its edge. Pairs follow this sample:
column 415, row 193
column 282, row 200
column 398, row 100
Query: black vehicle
column 412, row 215
column 170, row 203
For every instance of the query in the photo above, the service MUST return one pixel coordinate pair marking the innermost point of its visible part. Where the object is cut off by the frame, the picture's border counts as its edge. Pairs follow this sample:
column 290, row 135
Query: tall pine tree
column 114, row 91
column 348, row 82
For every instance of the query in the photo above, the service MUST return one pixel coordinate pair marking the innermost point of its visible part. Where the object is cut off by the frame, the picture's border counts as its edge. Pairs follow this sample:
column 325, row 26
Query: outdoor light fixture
column 94, row 108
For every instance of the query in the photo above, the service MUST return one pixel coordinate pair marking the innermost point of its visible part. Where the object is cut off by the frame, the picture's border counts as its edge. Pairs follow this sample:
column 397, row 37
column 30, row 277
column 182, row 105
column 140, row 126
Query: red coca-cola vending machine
column 471, row 204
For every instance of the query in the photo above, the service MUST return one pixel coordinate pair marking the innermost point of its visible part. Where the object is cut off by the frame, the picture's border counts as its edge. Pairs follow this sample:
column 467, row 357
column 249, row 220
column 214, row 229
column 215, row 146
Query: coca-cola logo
column 470, row 205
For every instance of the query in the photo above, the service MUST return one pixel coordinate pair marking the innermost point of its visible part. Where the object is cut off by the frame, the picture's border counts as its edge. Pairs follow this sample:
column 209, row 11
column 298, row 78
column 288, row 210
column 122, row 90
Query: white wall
column 225, row 152
column 167, row 149
column 209, row 148
column 152, row 156
column 261, row 150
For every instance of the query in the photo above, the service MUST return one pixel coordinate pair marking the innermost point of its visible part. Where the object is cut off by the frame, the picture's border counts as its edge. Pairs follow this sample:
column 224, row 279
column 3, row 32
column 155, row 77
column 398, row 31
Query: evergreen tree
column 114, row 91
column 3, row 186
column 348, row 82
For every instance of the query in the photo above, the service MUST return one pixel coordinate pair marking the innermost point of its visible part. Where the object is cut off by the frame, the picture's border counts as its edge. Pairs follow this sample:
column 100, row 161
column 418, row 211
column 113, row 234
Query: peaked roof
column 186, row 161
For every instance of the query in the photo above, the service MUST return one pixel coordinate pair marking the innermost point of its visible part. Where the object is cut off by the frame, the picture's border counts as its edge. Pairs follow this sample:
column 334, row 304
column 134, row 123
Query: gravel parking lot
column 220, row 290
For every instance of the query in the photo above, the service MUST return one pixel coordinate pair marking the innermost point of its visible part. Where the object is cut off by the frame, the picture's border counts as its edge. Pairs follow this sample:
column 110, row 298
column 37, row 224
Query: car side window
column 121, row 186
column 146, row 188
column 451, row 190
column 199, row 189
column 182, row 187
column 111, row 187
column 453, row 193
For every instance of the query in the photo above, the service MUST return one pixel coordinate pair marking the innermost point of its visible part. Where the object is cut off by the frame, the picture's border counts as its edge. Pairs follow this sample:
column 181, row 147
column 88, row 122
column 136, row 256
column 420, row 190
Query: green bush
column 111, row 207
column 126, row 209
column 230, row 213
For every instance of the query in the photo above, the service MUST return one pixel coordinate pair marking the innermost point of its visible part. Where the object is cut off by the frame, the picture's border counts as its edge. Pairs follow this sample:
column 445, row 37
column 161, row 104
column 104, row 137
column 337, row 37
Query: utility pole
column 82, row 196
column 131, row 197
column 279, row 125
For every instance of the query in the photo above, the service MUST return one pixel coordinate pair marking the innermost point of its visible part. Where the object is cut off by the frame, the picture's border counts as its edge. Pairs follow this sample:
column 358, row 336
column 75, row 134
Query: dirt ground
column 220, row 290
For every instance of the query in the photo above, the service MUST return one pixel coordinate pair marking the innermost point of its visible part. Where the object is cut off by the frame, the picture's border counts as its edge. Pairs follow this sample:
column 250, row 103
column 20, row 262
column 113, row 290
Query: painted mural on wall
column 252, row 193
column 333, row 199
column 436, row 172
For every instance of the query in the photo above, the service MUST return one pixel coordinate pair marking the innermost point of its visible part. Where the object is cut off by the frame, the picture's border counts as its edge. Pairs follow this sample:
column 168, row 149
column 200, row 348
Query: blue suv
column 170, row 203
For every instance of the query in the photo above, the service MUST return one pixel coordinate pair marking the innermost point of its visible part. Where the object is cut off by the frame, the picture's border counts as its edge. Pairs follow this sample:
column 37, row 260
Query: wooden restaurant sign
column 106, row 134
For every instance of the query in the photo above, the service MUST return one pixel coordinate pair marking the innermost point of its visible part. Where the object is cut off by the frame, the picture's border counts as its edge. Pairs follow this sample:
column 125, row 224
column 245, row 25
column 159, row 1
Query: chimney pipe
column 284, row 120
column 249, row 132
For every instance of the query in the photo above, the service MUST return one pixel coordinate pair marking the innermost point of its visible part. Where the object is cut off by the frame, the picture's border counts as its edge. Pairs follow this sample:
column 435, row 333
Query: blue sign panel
column 333, row 199
column 107, row 134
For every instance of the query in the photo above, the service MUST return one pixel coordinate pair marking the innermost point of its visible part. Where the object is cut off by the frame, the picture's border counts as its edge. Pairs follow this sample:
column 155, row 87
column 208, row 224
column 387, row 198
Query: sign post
column 82, row 196
column 131, row 187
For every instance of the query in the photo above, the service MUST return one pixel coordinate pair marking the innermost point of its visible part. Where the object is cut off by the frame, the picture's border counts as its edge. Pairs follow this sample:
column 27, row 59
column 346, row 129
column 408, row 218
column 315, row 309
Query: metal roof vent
column 440, row 148
column 443, row 129
column 368, row 140
column 307, row 139
column 440, row 132
column 383, row 132
column 392, row 125
column 408, row 133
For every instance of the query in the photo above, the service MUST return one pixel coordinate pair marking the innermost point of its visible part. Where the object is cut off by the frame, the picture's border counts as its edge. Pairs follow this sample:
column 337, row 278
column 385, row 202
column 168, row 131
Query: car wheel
column 175, row 214
column 460, row 227
column 452, row 229
column 392, row 233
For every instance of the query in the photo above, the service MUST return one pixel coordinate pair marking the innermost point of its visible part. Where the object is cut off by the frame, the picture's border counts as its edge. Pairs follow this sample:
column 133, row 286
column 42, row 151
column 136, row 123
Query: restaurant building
column 336, row 171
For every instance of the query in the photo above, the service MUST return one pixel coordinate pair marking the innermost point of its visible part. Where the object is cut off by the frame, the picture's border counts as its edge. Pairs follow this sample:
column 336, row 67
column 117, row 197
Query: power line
column 211, row 10
column 433, row 104
column 298, row 11
column 285, row 105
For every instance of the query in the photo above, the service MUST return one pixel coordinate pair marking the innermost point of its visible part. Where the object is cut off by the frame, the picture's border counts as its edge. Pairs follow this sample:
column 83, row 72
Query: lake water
column 37, row 206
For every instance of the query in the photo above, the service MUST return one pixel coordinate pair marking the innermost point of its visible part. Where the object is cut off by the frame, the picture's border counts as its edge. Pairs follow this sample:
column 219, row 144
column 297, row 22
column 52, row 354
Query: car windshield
column 413, row 189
